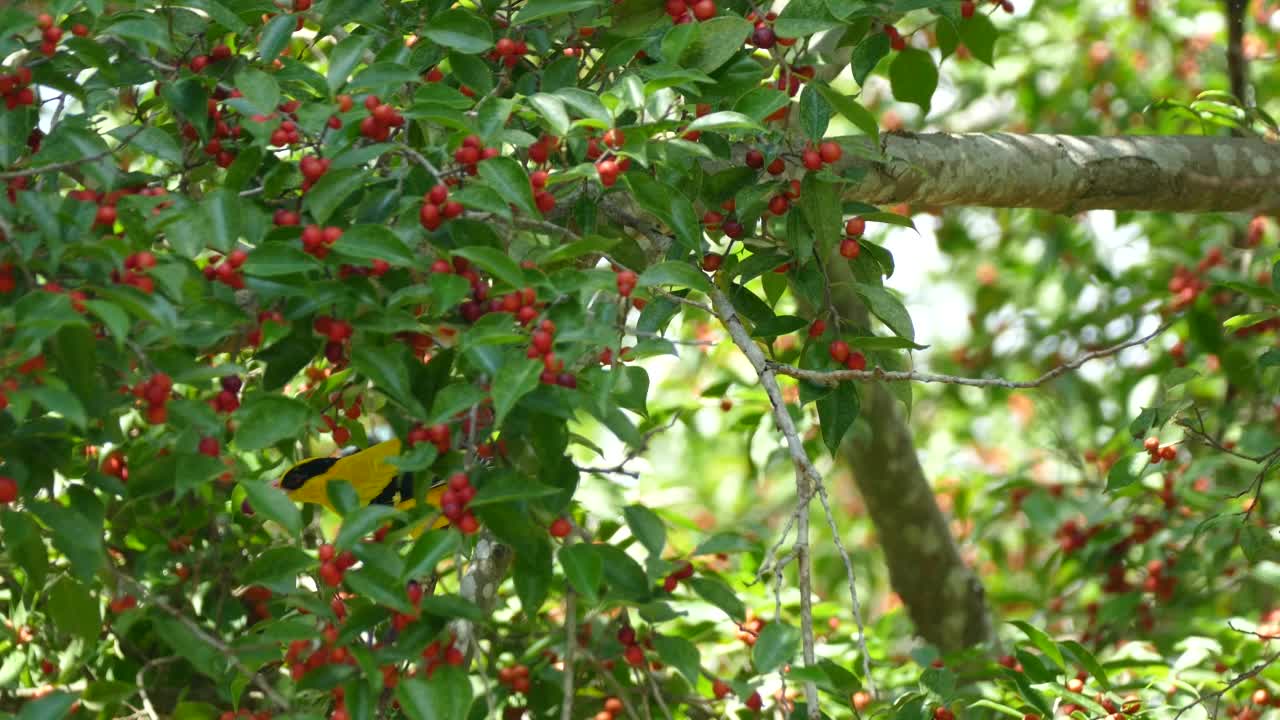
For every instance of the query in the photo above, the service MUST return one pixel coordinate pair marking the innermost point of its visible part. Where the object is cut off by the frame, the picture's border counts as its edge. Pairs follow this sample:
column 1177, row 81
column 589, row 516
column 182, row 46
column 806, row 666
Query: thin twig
column 213, row 641
column 570, row 642
column 835, row 376
column 1235, row 681
column 420, row 159
column 657, row 690
column 56, row 167
column 806, row 477
column 140, row 679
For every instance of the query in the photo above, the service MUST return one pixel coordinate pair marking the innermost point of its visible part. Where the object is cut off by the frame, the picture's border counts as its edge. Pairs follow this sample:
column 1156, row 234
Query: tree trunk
column 1069, row 174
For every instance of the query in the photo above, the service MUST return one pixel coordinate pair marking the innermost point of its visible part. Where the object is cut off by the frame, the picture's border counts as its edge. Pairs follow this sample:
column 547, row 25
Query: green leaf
column 276, row 35
column 624, row 575
column 725, row 120
column 867, row 54
column 508, row 177
column 584, row 568
column 265, row 420
column 721, row 595
column 386, row 367
column 716, row 41
column 330, row 191
column 761, row 102
column 77, row 533
column 157, row 143
column 552, row 109
column 836, row 413
column 446, row 696
column 223, row 211
column 148, row 28
column 647, row 527
column 427, row 551
column 379, row 587
column 509, row 486
column 275, row 259
column 939, row 681
column 74, row 609
column 375, row 242
column 454, row 399
column 259, row 90
column 460, row 30
column 776, row 645
column 494, row 262
column 451, row 606
column 344, row 58
column 681, row 655
column 979, row 35
column 851, row 109
column 778, row 325
column 60, row 401
column 361, row 523
column 515, row 379
column 888, row 308
column 914, row 77
column 1090, row 663
column 25, row 546
column 801, row 18
column 542, row 9
column 820, row 206
column 815, row 113
column 1122, row 474
column 53, row 706
column 1042, row 641
column 724, row 542
column 1260, row 544
column 679, row 274
column 684, row 220
column 272, row 503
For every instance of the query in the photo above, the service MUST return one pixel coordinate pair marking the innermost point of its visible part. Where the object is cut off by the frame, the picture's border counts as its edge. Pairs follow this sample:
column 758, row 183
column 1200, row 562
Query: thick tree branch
column 1068, row 174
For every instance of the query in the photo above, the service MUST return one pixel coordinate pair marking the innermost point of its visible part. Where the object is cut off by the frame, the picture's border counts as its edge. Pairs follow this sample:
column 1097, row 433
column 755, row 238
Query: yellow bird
column 376, row 481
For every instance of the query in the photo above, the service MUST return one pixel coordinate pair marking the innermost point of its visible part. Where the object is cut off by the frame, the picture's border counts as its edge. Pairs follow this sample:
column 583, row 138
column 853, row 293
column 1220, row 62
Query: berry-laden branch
column 807, row 479
column 1217, row 696
column 59, row 166
column 831, row 377
column 212, row 641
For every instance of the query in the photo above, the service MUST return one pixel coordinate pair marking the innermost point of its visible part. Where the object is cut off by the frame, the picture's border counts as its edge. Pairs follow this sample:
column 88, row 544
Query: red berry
column 777, row 166
column 755, row 159
column 560, row 527
column 856, row 361
column 754, row 702
column 812, row 160
column 8, row 490
column 634, row 655
column 704, row 9
column 712, row 261
column 720, row 689
column 778, row 204
column 614, row 138
column 967, row 9
column 849, row 248
column 830, row 151
column 839, row 350
column 818, row 327
column 210, row 446
column 855, row 227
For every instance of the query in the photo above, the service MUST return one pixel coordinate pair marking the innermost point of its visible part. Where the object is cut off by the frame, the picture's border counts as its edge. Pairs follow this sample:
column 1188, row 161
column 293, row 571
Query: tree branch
column 832, row 377
column 807, row 477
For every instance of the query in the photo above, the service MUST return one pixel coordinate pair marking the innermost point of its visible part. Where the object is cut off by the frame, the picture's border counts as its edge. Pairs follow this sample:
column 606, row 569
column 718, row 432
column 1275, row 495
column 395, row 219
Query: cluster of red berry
column 16, row 89
column 317, row 240
column 1158, row 452
column 472, row 151
column 851, row 359
column 312, row 168
column 542, row 346
column 854, row 228
column 135, row 274
column 219, row 53
column 155, row 392
column 228, row 398
column 684, row 572
column 437, row 435
column 509, row 51
column 1186, row 285
column 682, row 12
column 515, row 677
column 454, row 501
column 437, row 207
column 380, row 121
column 333, row 565
column 227, row 271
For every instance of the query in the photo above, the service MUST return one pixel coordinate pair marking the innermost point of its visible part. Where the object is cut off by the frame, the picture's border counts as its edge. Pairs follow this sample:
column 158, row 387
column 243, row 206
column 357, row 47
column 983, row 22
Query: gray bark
column 1069, row 174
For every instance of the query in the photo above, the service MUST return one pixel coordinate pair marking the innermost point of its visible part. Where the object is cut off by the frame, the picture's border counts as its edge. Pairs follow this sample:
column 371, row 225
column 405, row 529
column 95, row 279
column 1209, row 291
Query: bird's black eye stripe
column 299, row 474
